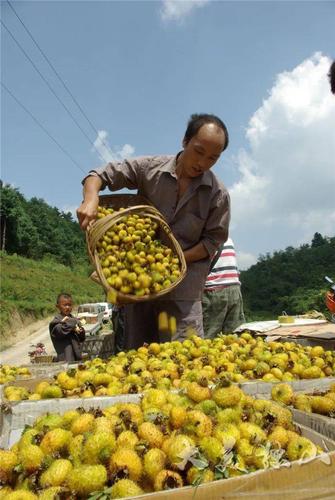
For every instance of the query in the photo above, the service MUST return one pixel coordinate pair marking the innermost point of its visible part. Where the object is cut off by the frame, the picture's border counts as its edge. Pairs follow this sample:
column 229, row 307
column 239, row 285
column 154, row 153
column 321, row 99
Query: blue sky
column 139, row 69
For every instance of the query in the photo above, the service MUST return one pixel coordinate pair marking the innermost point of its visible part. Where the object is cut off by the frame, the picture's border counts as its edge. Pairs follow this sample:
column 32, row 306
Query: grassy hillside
column 29, row 289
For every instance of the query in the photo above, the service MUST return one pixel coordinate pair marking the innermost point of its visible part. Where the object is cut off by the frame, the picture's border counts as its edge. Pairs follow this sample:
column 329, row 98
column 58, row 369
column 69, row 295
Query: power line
column 57, row 74
column 49, row 86
column 41, row 126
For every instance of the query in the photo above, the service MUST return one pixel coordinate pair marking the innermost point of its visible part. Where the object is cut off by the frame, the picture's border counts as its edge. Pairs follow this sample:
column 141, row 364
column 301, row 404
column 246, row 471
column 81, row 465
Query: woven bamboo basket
column 131, row 204
column 43, row 359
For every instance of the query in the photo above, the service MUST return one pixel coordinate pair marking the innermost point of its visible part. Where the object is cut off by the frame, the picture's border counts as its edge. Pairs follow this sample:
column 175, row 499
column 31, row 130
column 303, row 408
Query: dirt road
column 18, row 353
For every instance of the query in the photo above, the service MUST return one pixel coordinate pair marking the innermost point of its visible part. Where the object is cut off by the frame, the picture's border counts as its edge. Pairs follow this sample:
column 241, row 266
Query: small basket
column 42, row 359
column 132, row 204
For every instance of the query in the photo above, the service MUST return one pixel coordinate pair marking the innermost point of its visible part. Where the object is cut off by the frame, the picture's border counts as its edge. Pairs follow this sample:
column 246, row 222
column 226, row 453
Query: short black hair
column 198, row 120
column 331, row 76
column 64, row 295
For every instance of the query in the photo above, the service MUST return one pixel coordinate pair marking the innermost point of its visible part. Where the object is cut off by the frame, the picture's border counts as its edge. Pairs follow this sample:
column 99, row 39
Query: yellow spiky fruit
column 21, row 495
column 83, row 423
column 56, row 474
column 98, row 447
column 55, row 440
column 31, row 458
column 126, row 460
column 300, row 448
column 150, row 433
column 167, row 479
column 154, row 462
column 8, row 461
column 127, row 439
column 125, row 488
column 51, row 493
column 85, row 479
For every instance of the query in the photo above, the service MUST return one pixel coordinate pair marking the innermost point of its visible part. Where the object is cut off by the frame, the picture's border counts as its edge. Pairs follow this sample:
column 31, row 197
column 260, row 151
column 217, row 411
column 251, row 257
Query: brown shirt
column 202, row 213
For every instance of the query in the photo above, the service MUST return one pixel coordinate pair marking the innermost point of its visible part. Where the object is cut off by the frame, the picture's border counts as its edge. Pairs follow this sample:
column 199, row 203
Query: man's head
column 64, row 303
column 331, row 75
column 206, row 137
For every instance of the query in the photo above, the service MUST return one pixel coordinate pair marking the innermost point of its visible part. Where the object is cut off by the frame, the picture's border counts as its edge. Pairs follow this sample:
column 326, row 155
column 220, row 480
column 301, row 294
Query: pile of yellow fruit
column 133, row 259
column 167, row 441
column 319, row 402
column 9, row 373
column 174, row 365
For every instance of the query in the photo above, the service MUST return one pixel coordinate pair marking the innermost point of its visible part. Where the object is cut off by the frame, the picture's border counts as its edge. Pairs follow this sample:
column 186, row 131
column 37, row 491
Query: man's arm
column 89, row 207
column 115, row 175
column 198, row 252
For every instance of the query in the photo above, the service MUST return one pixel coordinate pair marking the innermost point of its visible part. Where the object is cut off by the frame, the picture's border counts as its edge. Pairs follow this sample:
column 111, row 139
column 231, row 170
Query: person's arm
column 115, row 175
column 198, row 252
column 89, row 208
column 215, row 231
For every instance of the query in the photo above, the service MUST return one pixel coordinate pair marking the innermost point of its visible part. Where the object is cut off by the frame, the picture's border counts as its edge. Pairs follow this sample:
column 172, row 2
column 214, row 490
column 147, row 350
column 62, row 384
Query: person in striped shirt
column 222, row 302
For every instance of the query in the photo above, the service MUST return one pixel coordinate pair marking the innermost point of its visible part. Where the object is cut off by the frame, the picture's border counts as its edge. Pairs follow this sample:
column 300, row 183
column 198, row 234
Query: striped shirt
column 225, row 271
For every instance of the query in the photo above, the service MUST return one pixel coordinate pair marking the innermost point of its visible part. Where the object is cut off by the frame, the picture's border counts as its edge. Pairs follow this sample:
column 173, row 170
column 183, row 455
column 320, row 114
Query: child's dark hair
column 63, row 295
column 198, row 120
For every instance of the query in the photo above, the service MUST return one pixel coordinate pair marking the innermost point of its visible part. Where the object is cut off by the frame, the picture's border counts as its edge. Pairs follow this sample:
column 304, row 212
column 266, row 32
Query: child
column 66, row 332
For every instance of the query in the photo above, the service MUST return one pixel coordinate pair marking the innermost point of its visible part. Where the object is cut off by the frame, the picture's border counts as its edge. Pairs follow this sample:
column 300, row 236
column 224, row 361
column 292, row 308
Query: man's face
column 64, row 306
column 203, row 150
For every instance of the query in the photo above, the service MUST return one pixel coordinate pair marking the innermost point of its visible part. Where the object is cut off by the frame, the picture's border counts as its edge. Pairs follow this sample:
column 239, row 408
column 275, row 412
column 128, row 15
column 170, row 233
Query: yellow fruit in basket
column 130, row 245
column 21, row 495
column 317, row 351
column 127, row 459
column 279, row 437
column 85, row 479
column 34, row 396
column 83, row 423
column 31, row 458
column 66, row 382
column 322, row 404
column 55, row 440
column 312, row 372
column 300, row 448
column 8, row 461
column 282, row 393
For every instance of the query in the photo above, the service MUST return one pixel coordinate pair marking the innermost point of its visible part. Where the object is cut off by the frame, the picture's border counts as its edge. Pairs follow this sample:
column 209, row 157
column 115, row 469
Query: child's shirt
column 64, row 335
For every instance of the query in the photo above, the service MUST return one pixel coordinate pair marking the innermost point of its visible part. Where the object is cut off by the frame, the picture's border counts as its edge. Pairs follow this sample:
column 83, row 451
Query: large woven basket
column 131, row 204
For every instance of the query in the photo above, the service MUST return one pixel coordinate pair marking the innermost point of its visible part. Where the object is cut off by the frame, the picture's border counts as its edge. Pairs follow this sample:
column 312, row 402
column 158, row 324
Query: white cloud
column 107, row 153
column 287, row 176
column 176, row 10
column 245, row 260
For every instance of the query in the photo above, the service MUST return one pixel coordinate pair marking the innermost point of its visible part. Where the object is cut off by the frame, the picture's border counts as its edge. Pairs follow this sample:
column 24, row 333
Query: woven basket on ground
column 131, row 204
column 43, row 359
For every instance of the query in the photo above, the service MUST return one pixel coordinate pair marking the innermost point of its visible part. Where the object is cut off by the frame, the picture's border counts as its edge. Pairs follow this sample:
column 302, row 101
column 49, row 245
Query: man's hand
column 87, row 212
column 65, row 318
column 89, row 208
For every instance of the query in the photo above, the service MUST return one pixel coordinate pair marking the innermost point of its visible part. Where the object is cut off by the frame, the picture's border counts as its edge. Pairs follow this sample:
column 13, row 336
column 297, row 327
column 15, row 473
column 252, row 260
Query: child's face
column 64, row 306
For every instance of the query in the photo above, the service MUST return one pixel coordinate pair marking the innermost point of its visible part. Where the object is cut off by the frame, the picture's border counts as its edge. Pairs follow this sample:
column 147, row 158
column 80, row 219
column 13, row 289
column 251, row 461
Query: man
column 222, row 302
column 194, row 203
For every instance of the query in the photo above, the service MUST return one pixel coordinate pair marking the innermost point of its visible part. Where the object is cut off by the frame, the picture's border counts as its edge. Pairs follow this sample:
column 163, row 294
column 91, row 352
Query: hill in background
column 290, row 280
column 43, row 254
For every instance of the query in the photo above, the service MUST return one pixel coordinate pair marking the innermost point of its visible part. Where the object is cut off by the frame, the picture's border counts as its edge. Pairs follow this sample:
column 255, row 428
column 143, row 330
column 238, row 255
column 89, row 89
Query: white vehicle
column 93, row 314
column 108, row 308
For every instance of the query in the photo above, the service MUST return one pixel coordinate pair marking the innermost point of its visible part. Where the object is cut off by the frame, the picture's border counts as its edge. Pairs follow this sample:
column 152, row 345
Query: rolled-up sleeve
column 119, row 175
column 217, row 225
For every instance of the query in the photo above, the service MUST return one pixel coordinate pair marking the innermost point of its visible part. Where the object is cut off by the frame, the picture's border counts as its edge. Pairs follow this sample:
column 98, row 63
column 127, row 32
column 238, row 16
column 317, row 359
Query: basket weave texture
column 42, row 359
column 131, row 204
